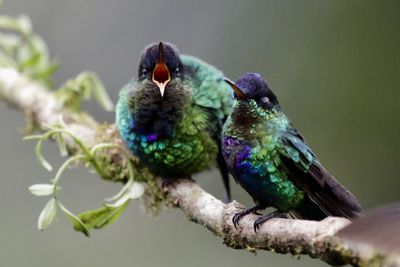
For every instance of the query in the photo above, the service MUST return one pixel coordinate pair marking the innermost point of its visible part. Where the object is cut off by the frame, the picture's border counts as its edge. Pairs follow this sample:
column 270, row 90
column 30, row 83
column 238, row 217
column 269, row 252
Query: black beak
column 236, row 89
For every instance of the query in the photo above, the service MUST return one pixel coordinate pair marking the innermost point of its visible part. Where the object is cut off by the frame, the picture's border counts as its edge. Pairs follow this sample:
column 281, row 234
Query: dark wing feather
column 214, row 128
column 224, row 174
column 309, row 175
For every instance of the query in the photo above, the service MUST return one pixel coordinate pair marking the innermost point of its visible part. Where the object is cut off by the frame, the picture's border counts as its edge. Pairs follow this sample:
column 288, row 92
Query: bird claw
column 267, row 217
column 238, row 216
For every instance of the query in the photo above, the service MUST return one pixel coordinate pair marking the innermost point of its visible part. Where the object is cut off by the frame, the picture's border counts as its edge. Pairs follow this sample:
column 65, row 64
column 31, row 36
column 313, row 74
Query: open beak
column 161, row 75
column 236, row 89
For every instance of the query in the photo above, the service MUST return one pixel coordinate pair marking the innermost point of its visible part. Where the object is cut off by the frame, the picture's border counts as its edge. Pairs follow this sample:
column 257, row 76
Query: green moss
column 154, row 198
column 341, row 254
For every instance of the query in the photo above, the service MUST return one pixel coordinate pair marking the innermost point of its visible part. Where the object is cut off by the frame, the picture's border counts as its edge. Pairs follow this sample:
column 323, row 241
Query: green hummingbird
column 171, row 115
column 269, row 158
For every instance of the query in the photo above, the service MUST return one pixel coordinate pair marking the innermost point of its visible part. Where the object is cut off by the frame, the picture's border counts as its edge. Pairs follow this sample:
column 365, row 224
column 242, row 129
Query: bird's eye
column 177, row 70
column 265, row 100
column 144, row 72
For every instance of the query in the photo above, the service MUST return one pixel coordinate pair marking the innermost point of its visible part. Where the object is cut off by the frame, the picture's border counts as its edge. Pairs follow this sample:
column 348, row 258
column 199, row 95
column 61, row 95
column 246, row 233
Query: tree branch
column 316, row 239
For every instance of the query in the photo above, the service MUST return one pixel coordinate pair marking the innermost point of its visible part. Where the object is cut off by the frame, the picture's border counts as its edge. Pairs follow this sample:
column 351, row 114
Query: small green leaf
column 41, row 189
column 48, row 214
column 103, row 216
column 9, row 23
column 100, row 93
column 9, row 42
column 28, row 60
column 93, row 85
column 24, row 24
column 45, row 74
column 76, row 221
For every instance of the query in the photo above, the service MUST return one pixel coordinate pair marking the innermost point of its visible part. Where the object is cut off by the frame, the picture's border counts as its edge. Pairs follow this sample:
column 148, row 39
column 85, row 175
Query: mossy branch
column 316, row 239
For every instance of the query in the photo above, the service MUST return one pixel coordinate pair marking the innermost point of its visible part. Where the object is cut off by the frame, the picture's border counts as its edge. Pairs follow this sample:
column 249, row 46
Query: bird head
column 251, row 87
column 160, row 63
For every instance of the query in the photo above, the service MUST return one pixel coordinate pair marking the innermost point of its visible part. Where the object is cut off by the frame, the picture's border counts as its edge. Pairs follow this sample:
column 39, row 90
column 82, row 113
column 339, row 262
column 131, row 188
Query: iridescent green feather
column 264, row 173
column 209, row 89
column 194, row 145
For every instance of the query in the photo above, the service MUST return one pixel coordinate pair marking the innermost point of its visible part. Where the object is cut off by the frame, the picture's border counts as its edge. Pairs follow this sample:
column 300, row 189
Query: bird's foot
column 238, row 216
column 267, row 217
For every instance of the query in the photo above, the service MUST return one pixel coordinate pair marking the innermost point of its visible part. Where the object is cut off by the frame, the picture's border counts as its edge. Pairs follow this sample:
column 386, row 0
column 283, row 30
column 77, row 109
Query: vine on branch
column 22, row 49
column 113, row 206
column 86, row 84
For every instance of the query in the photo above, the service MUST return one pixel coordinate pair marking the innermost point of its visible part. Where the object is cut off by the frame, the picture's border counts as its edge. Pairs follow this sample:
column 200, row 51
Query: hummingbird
column 270, row 159
column 171, row 115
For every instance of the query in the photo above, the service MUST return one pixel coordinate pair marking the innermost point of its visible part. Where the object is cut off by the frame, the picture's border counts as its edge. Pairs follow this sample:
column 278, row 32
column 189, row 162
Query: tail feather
column 225, row 176
column 324, row 193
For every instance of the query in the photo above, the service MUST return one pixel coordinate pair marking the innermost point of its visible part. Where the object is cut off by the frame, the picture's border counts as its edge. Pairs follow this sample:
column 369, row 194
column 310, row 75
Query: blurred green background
column 335, row 66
